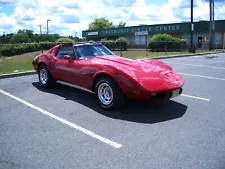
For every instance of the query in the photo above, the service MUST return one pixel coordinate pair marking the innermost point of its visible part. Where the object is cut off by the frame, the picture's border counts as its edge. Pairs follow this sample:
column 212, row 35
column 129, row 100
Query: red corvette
column 94, row 68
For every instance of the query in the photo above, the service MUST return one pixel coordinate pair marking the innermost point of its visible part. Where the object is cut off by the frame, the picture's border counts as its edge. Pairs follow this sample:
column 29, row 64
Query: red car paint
column 138, row 79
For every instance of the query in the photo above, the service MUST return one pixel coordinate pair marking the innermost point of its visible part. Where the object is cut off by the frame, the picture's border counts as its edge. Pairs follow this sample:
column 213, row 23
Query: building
column 138, row 35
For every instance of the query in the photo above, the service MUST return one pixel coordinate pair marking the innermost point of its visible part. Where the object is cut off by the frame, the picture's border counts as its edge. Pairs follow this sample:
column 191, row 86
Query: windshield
column 87, row 51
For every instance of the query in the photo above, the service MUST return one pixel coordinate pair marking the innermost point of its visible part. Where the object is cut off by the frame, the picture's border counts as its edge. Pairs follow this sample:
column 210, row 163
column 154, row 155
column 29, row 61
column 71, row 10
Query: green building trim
column 176, row 28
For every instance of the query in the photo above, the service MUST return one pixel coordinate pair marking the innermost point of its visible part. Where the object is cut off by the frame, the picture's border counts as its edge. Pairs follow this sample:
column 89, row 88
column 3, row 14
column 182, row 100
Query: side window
column 65, row 50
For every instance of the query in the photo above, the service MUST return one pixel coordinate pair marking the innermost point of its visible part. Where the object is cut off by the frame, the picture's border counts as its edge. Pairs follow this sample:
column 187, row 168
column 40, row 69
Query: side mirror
column 67, row 57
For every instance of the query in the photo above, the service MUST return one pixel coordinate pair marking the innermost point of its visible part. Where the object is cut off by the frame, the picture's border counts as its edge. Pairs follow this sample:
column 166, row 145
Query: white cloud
column 68, row 17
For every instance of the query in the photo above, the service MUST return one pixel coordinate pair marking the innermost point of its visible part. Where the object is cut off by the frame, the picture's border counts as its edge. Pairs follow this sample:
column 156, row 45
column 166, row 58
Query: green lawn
column 17, row 63
column 22, row 62
column 143, row 54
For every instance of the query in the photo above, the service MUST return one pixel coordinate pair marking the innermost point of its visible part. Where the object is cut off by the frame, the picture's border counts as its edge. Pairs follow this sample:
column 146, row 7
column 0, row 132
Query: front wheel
column 109, row 94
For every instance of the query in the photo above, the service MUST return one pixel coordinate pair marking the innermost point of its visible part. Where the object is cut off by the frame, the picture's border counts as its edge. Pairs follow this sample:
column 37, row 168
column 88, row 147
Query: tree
column 6, row 38
column 20, row 38
column 30, row 34
column 100, row 23
column 47, row 38
column 121, row 24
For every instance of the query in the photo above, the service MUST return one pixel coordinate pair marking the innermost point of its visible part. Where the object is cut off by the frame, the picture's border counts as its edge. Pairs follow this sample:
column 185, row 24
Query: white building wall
column 138, row 39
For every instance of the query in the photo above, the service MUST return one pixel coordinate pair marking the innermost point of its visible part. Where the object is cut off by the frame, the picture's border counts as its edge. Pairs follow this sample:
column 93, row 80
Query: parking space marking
column 217, row 57
column 96, row 136
column 207, row 77
column 195, row 97
column 190, row 59
column 213, row 67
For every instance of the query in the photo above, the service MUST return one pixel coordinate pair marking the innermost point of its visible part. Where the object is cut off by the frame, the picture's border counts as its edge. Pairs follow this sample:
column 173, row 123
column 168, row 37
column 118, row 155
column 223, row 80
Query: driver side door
column 67, row 69
column 61, row 65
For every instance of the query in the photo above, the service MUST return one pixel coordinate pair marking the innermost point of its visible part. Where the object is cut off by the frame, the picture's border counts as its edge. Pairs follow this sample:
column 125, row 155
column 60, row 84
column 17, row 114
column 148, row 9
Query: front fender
column 127, row 81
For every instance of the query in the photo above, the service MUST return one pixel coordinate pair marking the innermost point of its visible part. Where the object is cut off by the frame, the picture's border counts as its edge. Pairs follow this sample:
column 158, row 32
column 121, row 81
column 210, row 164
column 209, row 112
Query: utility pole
column 40, row 36
column 40, row 28
column 75, row 37
column 211, row 25
column 47, row 24
column 192, row 50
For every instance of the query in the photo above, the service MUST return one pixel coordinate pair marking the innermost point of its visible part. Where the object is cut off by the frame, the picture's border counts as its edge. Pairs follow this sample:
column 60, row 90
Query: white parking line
column 211, row 61
column 195, row 97
column 202, row 56
column 207, row 77
column 213, row 67
column 96, row 136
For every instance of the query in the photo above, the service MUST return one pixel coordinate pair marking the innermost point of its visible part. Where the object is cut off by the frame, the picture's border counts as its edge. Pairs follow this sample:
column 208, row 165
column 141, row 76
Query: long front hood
column 153, row 75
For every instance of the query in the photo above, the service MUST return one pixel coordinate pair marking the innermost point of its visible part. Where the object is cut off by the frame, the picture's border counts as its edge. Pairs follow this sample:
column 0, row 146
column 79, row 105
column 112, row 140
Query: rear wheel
column 45, row 78
column 109, row 94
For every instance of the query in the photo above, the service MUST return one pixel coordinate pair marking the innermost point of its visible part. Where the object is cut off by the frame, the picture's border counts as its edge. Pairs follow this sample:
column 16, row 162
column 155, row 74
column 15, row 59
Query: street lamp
column 47, row 24
column 192, row 50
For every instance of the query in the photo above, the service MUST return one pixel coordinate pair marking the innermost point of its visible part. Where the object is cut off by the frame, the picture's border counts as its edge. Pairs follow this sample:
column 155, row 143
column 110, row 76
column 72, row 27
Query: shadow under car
column 134, row 111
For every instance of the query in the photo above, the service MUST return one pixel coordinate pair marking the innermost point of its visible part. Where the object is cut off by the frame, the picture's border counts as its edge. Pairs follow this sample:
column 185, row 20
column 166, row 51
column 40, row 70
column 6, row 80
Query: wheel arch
column 39, row 64
column 100, row 75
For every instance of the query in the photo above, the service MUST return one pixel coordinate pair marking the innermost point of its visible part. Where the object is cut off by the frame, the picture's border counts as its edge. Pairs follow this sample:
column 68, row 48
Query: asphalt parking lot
column 65, row 128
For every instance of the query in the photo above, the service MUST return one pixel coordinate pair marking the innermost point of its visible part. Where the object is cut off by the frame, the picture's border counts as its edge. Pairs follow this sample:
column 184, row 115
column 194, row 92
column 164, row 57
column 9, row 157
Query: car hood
column 151, row 74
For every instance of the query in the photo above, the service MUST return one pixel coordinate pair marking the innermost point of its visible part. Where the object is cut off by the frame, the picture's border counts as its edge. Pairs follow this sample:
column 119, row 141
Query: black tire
column 118, row 98
column 49, row 80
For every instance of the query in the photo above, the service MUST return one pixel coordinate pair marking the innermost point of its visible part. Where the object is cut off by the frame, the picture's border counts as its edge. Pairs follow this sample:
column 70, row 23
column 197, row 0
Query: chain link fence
column 168, row 47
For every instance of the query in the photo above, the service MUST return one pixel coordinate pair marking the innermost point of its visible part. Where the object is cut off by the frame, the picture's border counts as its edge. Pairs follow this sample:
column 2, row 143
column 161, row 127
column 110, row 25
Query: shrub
column 10, row 50
column 91, row 41
column 111, row 44
column 165, row 42
column 122, row 43
column 17, row 49
column 61, row 40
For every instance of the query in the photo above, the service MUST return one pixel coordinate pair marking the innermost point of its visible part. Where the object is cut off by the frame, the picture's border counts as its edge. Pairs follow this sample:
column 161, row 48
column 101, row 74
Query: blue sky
column 69, row 16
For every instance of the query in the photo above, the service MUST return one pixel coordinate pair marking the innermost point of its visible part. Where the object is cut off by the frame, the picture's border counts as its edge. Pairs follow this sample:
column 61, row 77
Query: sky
column 70, row 17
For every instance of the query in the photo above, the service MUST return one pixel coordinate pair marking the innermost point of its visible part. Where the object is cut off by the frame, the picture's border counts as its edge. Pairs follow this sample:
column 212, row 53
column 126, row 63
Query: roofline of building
column 163, row 24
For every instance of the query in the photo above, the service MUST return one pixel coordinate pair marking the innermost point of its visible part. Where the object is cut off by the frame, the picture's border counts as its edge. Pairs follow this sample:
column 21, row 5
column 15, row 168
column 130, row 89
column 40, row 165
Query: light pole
column 192, row 50
column 211, row 24
column 47, row 24
column 40, row 37
column 75, row 36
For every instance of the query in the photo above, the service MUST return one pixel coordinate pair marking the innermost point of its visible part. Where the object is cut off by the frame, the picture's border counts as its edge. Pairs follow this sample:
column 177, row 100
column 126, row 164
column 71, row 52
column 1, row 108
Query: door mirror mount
column 66, row 57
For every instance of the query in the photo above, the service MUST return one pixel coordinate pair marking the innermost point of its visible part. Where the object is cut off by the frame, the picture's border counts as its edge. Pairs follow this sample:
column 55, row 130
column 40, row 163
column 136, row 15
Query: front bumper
column 165, row 95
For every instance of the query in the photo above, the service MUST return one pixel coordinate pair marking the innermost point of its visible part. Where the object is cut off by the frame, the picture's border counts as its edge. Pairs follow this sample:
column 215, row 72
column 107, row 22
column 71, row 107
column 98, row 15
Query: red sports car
column 94, row 68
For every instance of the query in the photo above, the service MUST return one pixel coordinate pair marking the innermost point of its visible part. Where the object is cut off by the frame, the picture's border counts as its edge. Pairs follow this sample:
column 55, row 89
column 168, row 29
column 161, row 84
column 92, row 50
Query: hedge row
column 166, row 42
column 118, row 44
column 17, row 49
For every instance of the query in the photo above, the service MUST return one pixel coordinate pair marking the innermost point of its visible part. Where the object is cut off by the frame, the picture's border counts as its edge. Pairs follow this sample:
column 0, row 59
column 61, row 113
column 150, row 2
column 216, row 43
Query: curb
column 188, row 55
column 17, row 74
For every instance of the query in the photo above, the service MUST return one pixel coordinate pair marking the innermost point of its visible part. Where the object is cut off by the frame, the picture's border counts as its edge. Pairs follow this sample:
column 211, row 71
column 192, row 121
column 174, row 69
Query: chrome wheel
column 105, row 93
column 43, row 76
